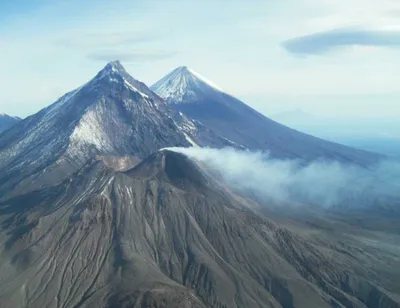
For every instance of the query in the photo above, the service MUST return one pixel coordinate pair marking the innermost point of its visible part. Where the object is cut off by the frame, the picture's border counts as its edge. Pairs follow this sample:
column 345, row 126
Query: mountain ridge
column 7, row 121
column 111, row 114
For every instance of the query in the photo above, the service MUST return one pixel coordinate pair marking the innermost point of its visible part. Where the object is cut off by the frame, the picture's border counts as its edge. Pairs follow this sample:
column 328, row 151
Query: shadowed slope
column 7, row 121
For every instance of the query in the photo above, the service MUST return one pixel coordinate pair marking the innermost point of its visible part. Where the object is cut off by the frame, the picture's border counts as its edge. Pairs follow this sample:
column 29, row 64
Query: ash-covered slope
column 112, row 114
column 7, row 121
column 165, row 234
column 199, row 99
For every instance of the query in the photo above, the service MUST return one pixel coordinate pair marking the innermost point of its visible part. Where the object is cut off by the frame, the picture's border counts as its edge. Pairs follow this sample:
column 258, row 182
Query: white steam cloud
column 320, row 183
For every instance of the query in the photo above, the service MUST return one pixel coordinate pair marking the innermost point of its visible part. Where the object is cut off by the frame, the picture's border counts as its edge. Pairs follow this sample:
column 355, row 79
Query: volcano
column 188, row 92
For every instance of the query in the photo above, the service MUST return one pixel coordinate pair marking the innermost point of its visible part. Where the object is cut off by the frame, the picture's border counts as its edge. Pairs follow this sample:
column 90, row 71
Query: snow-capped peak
column 116, row 73
column 181, row 83
column 205, row 80
column 113, row 67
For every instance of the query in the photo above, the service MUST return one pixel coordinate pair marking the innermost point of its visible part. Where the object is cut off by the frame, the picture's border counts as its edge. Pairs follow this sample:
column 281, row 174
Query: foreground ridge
column 165, row 231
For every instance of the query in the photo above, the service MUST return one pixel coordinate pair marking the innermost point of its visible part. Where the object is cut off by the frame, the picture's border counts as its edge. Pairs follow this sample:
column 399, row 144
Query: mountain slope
column 112, row 114
column 7, row 121
column 199, row 99
column 166, row 233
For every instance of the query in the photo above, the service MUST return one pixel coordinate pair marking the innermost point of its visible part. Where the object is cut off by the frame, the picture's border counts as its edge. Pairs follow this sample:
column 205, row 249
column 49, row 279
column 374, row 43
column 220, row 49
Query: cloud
column 125, row 46
column 322, row 183
column 107, row 40
column 132, row 56
column 118, row 45
column 327, row 41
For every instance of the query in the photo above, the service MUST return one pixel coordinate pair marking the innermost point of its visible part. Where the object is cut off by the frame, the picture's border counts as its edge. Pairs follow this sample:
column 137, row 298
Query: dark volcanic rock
column 165, row 234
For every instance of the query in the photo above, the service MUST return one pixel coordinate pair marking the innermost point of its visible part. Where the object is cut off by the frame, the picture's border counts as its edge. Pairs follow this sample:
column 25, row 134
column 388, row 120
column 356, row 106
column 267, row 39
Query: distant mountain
column 386, row 146
column 376, row 134
column 7, row 121
column 184, row 85
column 295, row 116
column 112, row 114
column 197, row 98
column 167, row 234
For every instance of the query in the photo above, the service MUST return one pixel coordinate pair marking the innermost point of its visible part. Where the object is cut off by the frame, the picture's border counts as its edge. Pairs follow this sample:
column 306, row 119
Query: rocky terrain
column 166, row 233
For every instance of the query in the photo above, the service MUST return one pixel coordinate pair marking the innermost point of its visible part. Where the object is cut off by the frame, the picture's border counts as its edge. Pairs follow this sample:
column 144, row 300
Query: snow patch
column 89, row 131
column 190, row 140
column 202, row 78
column 135, row 89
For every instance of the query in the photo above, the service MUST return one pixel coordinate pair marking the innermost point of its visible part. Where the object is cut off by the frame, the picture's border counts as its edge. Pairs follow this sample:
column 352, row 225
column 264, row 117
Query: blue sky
column 327, row 57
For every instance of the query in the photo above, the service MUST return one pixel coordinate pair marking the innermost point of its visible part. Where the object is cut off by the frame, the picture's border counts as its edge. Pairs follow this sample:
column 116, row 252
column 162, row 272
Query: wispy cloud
column 125, row 46
column 328, row 41
column 322, row 183
column 131, row 56
column 104, row 40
